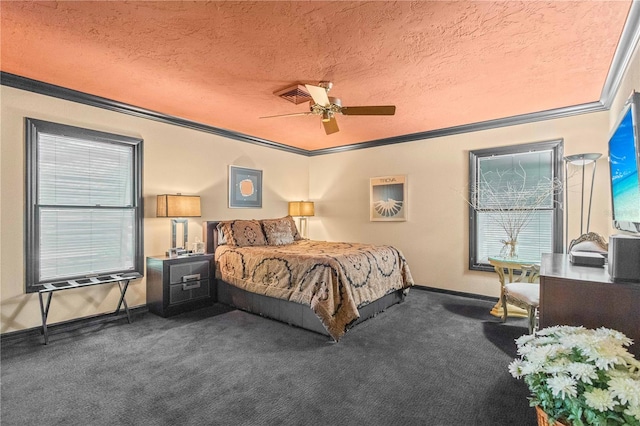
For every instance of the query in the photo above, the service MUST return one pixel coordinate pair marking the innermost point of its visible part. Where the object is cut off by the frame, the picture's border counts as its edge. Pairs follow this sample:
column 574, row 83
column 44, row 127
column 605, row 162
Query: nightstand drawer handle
column 187, row 278
column 192, row 286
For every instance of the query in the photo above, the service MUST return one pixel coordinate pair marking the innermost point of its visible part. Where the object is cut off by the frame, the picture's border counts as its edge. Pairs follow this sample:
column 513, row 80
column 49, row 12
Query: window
column 518, row 184
column 84, row 203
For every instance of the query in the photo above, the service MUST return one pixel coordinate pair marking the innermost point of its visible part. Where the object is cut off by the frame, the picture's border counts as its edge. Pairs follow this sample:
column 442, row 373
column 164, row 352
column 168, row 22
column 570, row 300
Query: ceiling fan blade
column 330, row 126
column 287, row 115
column 369, row 110
column 319, row 95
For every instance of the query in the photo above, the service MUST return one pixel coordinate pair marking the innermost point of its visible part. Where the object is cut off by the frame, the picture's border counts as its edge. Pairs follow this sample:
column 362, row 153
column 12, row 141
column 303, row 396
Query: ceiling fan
column 327, row 107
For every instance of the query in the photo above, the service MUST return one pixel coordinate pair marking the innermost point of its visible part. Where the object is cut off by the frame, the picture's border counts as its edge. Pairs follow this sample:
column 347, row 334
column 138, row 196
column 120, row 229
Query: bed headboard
column 210, row 235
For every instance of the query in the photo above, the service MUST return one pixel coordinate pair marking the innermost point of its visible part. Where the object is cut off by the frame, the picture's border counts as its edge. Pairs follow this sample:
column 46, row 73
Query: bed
column 266, row 268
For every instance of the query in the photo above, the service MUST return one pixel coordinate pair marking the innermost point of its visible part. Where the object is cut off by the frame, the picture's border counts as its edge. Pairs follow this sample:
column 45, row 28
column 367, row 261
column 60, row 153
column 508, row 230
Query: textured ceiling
column 442, row 64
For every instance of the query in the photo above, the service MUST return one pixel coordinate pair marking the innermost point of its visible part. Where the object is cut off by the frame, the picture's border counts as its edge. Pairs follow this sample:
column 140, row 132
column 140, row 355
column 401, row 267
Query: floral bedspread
column 334, row 279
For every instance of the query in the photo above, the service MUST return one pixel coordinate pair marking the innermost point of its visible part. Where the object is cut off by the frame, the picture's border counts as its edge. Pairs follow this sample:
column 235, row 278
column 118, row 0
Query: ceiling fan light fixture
column 328, row 107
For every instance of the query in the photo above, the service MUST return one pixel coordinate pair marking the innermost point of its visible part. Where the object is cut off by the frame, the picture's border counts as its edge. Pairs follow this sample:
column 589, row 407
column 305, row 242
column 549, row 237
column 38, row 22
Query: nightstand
column 179, row 284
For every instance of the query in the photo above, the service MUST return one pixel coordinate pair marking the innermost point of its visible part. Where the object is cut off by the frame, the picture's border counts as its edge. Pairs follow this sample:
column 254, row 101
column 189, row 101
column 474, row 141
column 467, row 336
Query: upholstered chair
column 524, row 293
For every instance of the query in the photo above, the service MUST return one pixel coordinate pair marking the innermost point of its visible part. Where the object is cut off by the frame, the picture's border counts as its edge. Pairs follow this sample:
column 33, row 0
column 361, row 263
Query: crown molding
column 626, row 46
column 473, row 127
column 47, row 89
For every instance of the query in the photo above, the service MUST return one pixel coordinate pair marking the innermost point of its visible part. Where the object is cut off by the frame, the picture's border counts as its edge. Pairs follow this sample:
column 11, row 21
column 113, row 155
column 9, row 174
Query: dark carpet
column 436, row 359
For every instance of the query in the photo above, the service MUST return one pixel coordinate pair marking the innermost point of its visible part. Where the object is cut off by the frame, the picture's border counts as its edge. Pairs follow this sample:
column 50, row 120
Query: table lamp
column 179, row 207
column 302, row 209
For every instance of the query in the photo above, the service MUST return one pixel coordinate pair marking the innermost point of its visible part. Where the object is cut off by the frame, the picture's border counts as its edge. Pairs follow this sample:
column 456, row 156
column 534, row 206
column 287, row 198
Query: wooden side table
column 506, row 268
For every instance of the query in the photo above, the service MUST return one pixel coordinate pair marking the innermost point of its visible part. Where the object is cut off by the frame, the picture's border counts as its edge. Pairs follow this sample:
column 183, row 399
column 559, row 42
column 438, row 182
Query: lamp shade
column 178, row 206
column 582, row 159
column 301, row 208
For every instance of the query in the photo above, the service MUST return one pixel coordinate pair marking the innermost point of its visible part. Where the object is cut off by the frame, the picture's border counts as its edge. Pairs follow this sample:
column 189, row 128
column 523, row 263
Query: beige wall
column 175, row 160
column 434, row 239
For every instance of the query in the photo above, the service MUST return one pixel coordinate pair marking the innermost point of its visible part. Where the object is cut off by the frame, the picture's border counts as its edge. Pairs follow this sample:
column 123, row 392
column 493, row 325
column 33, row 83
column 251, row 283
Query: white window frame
column 33, row 129
column 556, row 147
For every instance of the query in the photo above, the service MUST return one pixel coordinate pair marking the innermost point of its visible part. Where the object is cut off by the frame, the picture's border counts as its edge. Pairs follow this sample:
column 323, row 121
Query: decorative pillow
column 222, row 239
column 277, row 231
column 243, row 233
column 294, row 228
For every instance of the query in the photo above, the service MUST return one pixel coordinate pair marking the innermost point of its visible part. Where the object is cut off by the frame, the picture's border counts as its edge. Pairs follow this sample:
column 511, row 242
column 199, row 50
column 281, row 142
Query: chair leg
column 531, row 314
column 503, row 299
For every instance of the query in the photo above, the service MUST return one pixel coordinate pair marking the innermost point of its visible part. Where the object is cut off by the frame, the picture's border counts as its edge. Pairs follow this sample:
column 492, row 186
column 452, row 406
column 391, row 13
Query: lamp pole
column 579, row 160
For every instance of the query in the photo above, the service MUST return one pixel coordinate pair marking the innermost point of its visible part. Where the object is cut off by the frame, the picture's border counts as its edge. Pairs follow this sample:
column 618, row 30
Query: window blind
column 85, row 207
column 535, row 238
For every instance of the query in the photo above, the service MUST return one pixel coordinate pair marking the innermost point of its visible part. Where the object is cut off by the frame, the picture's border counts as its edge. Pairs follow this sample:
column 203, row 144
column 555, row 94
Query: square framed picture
column 245, row 187
column 388, row 199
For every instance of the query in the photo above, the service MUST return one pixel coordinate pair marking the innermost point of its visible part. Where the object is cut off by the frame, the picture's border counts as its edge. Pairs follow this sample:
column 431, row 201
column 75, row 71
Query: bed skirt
column 294, row 313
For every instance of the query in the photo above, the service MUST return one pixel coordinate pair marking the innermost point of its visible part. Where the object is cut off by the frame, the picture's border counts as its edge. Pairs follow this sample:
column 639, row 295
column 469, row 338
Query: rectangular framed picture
column 245, row 187
column 388, row 199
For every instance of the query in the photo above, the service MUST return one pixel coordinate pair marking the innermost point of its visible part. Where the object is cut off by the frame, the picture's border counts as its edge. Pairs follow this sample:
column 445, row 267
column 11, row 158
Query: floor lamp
column 580, row 160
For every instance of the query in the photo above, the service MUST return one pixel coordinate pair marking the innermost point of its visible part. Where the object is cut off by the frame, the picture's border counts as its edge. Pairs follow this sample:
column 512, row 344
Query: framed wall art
column 388, row 199
column 245, row 187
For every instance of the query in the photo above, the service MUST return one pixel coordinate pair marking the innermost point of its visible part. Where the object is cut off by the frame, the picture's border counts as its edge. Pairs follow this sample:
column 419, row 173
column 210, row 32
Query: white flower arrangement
column 580, row 376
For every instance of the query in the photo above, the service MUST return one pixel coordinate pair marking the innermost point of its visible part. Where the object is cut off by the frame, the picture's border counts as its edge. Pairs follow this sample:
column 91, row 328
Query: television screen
column 624, row 156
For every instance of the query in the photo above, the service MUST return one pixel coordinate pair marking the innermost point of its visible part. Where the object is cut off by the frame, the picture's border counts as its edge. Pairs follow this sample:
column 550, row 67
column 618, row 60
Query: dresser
column 583, row 295
column 179, row 284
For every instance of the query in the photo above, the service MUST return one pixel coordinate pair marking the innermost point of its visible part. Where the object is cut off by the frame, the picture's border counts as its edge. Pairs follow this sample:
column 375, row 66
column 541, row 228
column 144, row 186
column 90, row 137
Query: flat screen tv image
column 624, row 158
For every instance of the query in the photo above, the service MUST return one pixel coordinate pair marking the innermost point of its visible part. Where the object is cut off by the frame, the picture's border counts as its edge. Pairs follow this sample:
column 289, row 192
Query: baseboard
column 138, row 310
column 456, row 293
column 73, row 324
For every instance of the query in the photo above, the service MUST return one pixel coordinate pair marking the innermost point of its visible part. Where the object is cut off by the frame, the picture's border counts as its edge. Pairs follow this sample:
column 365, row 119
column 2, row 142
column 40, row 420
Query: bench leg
column 44, row 312
column 123, row 291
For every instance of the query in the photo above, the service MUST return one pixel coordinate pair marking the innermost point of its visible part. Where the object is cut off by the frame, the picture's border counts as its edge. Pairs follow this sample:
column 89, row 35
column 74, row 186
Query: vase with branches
column 512, row 198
